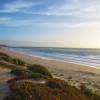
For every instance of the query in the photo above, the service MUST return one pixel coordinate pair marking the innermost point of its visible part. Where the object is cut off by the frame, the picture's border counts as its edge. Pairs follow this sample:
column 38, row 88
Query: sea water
column 89, row 57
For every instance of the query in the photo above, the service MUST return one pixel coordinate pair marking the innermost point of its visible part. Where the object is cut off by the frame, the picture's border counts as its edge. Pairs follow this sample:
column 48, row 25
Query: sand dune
column 72, row 73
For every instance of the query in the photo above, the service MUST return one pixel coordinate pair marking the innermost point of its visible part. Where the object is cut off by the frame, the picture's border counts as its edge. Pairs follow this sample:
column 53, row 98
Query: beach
column 72, row 73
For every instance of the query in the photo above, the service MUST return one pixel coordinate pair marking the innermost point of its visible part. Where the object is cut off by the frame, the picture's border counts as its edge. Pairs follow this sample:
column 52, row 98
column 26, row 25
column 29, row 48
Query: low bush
column 8, row 59
column 11, row 60
column 38, row 76
column 18, row 62
column 40, row 69
column 4, row 65
column 31, row 91
column 2, row 54
column 55, row 83
column 5, row 57
column 91, row 95
column 18, row 71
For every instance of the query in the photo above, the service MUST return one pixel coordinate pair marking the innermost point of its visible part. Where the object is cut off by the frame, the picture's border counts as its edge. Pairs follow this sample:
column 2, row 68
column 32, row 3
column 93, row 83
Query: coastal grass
column 35, row 71
column 18, row 71
column 40, row 69
column 89, row 93
column 4, row 65
column 38, row 76
column 15, row 61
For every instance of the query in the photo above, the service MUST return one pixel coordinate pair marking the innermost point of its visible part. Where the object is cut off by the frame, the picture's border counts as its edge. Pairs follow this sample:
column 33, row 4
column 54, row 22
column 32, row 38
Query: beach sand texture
column 72, row 73
column 4, row 86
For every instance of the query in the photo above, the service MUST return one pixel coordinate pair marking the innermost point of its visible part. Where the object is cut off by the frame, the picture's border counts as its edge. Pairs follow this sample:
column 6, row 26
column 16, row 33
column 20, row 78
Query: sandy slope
column 73, row 73
column 4, row 87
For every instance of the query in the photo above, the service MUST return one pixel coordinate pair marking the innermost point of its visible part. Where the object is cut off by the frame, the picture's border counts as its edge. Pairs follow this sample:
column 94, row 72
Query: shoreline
column 9, row 52
column 47, row 58
column 72, row 73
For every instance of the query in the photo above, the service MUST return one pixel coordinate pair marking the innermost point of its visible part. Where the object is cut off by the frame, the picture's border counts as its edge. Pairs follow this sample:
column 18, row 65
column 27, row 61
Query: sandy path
column 4, row 86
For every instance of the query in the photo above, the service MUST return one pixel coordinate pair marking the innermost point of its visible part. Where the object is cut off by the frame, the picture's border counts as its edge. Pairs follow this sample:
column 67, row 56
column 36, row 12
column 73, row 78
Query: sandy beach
column 72, row 73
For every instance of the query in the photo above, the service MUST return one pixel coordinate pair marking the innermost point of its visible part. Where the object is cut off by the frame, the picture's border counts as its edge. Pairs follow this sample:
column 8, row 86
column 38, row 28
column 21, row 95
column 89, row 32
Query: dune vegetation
column 52, row 89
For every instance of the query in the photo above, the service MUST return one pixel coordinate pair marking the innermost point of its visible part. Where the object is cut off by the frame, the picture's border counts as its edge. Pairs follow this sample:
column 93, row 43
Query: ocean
column 88, row 57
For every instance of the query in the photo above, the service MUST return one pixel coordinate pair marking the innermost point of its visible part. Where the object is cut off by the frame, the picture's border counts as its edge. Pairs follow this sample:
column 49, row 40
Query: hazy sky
column 68, row 23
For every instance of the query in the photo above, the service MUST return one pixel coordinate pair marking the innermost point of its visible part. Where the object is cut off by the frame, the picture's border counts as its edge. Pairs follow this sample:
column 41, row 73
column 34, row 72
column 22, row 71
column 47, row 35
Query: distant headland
column 4, row 46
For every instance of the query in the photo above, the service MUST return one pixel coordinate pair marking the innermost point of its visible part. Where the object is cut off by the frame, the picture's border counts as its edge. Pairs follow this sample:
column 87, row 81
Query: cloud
column 17, row 23
column 3, row 20
column 77, row 8
column 73, row 25
column 17, row 6
column 44, row 23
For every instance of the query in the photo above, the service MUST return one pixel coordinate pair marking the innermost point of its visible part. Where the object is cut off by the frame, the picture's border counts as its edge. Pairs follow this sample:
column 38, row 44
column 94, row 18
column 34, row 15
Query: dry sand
column 72, row 73
column 4, row 86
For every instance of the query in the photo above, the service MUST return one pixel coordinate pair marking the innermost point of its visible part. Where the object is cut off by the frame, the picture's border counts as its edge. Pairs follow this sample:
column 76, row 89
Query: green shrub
column 18, row 71
column 8, row 59
column 40, row 69
column 90, row 94
column 5, row 57
column 4, row 65
column 11, row 60
column 2, row 54
column 38, row 76
column 18, row 62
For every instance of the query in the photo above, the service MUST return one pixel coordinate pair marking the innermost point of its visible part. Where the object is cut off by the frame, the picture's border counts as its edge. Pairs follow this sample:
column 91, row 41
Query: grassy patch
column 38, row 76
column 4, row 65
column 2, row 54
column 15, row 61
column 40, row 69
column 18, row 62
column 91, row 95
column 18, row 71
column 69, row 78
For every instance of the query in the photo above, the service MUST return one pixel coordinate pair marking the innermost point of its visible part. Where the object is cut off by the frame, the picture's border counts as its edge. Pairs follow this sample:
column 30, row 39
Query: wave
column 90, row 57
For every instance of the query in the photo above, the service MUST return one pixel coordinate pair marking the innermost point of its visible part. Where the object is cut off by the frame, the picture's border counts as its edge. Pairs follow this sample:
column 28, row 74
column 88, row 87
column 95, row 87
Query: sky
column 54, row 23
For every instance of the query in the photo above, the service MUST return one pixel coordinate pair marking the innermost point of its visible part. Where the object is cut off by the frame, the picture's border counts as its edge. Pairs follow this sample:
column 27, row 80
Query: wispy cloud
column 74, row 8
column 17, row 23
column 3, row 20
column 78, row 8
column 73, row 25
column 17, row 6
column 38, row 23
